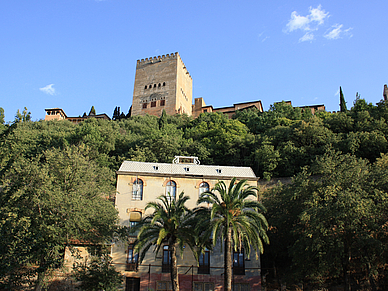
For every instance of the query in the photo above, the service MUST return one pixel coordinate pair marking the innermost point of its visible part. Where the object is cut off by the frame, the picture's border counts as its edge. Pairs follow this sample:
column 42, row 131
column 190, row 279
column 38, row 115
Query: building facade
column 59, row 114
column 139, row 183
column 162, row 82
column 200, row 107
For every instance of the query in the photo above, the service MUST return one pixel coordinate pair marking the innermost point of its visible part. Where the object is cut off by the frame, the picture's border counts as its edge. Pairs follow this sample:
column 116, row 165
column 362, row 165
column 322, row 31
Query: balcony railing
column 132, row 267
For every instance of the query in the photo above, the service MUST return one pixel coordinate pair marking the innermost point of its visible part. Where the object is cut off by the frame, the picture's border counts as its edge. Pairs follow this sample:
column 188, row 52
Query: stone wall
column 162, row 82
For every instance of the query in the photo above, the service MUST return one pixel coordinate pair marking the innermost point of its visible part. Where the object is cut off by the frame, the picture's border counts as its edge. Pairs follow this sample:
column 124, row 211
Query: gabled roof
column 186, row 170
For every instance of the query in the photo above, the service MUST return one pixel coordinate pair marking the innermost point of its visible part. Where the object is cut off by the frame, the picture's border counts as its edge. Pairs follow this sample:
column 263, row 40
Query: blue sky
column 74, row 54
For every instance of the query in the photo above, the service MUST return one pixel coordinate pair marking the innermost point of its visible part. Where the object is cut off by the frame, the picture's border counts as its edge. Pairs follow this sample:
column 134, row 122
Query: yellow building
column 139, row 183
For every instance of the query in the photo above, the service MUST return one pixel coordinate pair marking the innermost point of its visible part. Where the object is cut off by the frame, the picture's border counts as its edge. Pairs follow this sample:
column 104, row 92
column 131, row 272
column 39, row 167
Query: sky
column 74, row 54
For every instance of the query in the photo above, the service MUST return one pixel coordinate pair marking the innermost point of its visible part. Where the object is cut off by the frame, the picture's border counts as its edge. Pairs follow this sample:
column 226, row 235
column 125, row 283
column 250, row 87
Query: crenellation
column 159, row 58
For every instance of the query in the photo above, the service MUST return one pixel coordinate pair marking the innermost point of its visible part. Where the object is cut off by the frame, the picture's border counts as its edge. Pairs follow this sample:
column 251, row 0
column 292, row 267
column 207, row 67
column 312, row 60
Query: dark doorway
column 132, row 284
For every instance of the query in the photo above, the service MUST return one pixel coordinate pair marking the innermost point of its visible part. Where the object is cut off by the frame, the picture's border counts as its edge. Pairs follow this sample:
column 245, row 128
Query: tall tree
column 237, row 219
column 342, row 102
column 92, row 111
column 162, row 121
column 25, row 115
column 171, row 222
column 46, row 202
column 2, row 116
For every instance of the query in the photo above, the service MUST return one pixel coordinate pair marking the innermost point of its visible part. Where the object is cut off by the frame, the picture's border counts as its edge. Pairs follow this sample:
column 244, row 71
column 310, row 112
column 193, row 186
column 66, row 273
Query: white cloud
column 313, row 22
column 48, row 89
column 334, row 32
column 297, row 22
column 348, row 33
column 309, row 22
column 318, row 14
column 309, row 36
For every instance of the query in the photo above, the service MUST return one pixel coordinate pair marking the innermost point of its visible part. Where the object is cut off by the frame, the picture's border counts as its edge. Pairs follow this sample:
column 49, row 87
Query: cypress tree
column 342, row 102
column 92, row 111
column 162, row 120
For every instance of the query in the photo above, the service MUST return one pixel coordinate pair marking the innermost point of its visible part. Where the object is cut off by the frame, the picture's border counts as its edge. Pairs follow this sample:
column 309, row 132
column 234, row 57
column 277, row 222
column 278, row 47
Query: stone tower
column 385, row 92
column 162, row 82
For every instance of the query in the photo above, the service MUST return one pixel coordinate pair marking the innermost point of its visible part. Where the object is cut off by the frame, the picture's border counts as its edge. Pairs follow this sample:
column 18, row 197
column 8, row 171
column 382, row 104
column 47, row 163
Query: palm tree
column 236, row 219
column 170, row 223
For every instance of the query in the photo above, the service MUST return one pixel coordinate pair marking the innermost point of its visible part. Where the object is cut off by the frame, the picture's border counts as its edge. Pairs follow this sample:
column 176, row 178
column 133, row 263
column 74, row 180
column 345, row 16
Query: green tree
column 171, row 222
column 331, row 223
column 46, row 202
column 162, row 120
column 236, row 218
column 2, row 116
column 342, row 102
column 92, row 111
column 97, row 273
column 25, row 115
column 267, row 159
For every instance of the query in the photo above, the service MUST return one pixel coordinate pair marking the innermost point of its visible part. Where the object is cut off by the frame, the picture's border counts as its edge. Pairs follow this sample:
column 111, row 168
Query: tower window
column 162, row 102
column 159, row 85
column 145, row 87
column 164, row 83
column 153, row 104
column 150, row 87
column 154, row 85
column 144, row 105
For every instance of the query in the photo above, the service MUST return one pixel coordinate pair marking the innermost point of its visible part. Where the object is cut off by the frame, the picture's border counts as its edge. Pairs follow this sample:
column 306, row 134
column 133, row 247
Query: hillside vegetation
column 327, row 227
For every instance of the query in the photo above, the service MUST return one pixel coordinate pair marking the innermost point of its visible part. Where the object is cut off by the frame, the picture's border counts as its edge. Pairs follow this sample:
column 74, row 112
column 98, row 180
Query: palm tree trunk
column 228, row 261
column 174, row 268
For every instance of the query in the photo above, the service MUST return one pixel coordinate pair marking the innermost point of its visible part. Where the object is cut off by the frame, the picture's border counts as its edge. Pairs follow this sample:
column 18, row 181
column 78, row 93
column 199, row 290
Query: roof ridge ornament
column 186, row 160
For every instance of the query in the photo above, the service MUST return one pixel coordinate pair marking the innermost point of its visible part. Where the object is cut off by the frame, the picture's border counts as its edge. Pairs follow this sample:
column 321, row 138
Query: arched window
column 171, row 190
column 137, row 190
column 164, row 83
column 145, row 87
column 159, row 85
column 203, row 187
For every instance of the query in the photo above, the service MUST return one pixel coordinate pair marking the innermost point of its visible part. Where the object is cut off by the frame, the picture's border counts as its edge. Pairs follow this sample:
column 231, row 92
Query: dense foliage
column 329, row 220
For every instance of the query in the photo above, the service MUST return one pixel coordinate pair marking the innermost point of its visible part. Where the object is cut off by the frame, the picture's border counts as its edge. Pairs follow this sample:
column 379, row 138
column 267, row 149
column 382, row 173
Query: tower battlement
column 152, row 60
column 155, row 59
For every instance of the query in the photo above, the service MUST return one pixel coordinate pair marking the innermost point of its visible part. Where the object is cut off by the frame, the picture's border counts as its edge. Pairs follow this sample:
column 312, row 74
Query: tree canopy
column 48, row 202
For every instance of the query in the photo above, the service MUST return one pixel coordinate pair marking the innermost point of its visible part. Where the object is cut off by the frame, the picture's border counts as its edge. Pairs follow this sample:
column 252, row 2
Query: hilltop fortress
column 164, row 83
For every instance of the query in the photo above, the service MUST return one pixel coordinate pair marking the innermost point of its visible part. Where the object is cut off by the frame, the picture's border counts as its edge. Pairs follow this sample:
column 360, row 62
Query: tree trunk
column 228, row 261
column 174, row 268
column 39, row 281
column 345, row 266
